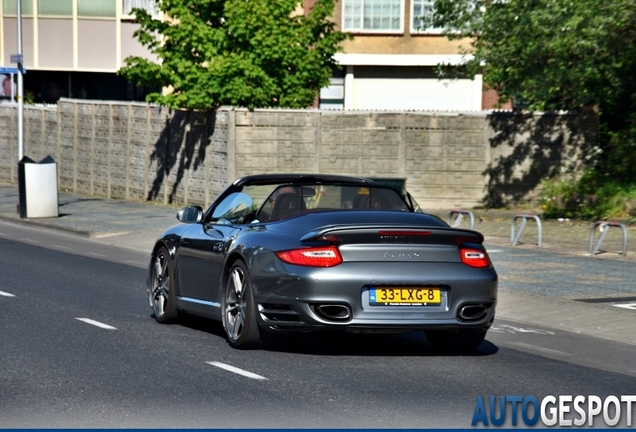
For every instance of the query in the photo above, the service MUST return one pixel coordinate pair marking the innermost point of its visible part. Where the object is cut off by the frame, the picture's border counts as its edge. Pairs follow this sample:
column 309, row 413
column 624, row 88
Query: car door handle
column 217, row 248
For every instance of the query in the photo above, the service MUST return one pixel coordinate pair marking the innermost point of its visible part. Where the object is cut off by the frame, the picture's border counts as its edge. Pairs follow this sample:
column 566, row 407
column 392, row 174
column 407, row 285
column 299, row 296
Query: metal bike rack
column 515, row 235
column 604, row 227
column 460, row 215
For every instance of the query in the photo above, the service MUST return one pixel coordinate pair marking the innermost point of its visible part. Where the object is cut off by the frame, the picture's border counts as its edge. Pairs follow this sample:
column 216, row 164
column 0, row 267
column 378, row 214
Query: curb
column 42, row 224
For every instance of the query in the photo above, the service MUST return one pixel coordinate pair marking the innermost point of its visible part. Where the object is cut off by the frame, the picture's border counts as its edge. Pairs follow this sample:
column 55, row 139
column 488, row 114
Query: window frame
column 362, row 30
column 414, row 29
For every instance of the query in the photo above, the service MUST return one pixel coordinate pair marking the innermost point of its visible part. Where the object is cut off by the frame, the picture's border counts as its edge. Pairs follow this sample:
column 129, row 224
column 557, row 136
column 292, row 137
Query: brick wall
column 144, row 152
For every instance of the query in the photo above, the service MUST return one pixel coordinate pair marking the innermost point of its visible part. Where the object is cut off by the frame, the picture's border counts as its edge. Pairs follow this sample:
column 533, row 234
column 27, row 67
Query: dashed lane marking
column 96, row 323
column 6, row 294
column 539, row 348
column 237, row 370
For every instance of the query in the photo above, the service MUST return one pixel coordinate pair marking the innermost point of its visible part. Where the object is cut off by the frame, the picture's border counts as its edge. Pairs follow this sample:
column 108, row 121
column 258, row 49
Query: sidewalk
column 136, row 225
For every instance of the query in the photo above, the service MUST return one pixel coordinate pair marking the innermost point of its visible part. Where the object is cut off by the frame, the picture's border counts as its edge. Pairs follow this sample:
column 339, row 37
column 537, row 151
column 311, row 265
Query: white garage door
column 416, row 94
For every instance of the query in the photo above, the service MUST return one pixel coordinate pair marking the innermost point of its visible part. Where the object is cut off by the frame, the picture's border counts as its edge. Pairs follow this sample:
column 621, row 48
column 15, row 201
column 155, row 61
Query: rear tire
column 239, row 309
column 461, row 339
column 161, row 290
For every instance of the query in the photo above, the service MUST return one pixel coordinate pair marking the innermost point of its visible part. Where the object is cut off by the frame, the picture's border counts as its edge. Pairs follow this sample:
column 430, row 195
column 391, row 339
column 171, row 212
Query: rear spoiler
column 466, row 236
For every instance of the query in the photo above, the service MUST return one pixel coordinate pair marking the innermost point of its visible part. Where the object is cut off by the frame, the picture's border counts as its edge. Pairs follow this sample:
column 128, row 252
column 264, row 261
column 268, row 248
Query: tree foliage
column 256, row 53
column 561, row 54
column 553, row 54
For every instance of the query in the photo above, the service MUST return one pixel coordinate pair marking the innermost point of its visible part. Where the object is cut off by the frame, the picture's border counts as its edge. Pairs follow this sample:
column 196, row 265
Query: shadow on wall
column 528, row 147
column 181, row 147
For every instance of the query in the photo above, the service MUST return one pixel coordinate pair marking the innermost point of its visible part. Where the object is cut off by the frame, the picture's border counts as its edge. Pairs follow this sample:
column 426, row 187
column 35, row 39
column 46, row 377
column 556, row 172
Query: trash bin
column 37, row 188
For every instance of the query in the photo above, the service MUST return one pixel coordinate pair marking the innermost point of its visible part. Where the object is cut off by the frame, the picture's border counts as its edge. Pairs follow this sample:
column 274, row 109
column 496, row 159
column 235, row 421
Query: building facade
column 73, row 48
column 390, row 63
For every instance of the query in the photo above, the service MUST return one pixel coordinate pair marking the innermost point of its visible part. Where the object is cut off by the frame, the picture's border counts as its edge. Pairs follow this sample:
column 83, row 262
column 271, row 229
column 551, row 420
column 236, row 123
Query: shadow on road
column 347, row 344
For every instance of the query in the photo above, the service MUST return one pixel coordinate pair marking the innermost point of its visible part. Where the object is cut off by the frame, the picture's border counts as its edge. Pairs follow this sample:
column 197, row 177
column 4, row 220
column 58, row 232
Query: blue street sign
column 16, row 58
column 9, row 70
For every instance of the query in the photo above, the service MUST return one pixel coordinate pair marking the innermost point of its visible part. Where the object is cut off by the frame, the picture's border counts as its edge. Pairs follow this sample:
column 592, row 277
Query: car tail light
column 474, row 257
column 325, row 256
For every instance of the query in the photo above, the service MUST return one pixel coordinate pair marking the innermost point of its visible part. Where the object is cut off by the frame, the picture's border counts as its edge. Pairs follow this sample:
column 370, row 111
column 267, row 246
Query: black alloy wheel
column 239, row 310
column 161, row 290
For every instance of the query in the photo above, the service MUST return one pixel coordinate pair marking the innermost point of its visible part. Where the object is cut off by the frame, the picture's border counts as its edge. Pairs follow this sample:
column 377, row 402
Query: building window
column 373, row 15
column 55, row 8
column 421, row 8
column 150, row 6
column 97, row 8
column 11, row 7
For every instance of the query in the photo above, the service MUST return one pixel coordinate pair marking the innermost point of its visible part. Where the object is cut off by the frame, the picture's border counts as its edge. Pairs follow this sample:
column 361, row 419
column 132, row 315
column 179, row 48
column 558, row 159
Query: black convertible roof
column 301, row 178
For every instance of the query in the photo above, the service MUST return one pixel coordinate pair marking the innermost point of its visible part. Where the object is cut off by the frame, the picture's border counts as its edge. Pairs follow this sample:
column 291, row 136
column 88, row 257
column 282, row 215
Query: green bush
column 587, row 198
column 607, row 188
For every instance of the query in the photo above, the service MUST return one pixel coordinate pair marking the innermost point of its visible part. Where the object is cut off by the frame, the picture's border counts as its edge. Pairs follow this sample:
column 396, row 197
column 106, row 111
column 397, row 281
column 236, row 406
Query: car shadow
column 346, row 344
column 201, row 324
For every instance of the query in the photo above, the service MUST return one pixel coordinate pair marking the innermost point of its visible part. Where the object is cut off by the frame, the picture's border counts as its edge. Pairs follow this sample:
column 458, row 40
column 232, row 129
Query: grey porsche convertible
column 308, row 252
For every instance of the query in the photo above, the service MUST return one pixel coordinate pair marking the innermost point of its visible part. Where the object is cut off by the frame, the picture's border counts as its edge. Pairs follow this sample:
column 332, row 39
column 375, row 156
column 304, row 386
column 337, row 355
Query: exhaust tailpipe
column 473, row 312
column 333, row 312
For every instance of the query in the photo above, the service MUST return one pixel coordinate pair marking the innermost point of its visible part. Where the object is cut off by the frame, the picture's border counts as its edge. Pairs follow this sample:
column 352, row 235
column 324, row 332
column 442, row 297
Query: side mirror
column 190, row 214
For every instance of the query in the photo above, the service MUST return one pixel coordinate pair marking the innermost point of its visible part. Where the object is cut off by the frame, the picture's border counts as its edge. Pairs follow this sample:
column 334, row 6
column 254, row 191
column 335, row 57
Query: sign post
column 18, row 57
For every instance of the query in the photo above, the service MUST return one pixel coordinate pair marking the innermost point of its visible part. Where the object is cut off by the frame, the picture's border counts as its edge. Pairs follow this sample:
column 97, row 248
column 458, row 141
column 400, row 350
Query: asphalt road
column 80, row 349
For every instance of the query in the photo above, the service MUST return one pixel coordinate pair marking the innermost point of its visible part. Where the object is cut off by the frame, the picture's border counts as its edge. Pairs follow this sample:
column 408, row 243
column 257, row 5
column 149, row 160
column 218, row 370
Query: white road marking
column 493, row 250
column 26, row 239
column 134, row 262
column 62, row 247
column 631, row 306
column 538, row 348
column 237, row 370
column 505, row 328
column 98, row 236
column 95, row 254
column 6, row 294
column 96, row 323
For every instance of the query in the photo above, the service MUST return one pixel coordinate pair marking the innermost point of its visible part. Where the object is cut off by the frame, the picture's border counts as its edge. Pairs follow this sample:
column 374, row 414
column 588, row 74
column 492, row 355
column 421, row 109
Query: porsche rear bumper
column 304, row 298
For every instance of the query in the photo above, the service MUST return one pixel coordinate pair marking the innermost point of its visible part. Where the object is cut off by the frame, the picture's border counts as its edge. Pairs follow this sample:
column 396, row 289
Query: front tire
column 456, row 340
column 239, row 310
column 161, row 290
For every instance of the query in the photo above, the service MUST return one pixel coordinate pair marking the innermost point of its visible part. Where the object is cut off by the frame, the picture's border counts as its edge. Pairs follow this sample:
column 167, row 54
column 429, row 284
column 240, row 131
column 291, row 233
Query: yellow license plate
column 404, row 296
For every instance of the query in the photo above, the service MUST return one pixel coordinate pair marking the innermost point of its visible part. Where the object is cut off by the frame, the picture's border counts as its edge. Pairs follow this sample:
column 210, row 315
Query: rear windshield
column 281, row 201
